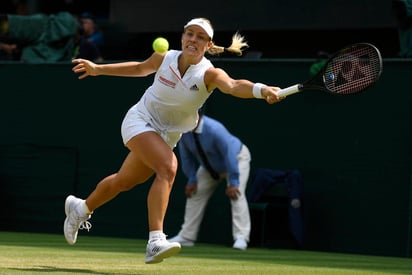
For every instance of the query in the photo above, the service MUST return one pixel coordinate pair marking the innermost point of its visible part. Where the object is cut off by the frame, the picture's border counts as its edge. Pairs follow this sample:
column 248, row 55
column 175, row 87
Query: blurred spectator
column 86, row 49
column 91, row 29
column 89, row 39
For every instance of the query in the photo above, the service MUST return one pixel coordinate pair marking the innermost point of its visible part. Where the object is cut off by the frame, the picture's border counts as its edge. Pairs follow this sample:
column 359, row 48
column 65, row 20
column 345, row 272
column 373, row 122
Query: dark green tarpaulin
column 47, row 38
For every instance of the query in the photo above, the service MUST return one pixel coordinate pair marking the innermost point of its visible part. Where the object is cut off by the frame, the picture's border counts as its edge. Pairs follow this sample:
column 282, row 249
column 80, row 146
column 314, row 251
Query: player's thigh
column 133, row 171
column 150, row 148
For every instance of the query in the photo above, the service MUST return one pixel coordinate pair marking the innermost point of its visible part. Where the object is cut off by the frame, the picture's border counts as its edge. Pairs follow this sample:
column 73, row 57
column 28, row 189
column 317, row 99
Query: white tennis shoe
column 74, row 220
column 158, row 248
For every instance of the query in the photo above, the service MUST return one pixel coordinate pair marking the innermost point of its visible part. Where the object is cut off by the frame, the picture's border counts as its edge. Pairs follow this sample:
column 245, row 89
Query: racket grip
column 289, row 90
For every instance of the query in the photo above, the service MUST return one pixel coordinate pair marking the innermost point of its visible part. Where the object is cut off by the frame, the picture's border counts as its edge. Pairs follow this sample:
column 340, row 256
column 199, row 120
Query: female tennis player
column 183, row 81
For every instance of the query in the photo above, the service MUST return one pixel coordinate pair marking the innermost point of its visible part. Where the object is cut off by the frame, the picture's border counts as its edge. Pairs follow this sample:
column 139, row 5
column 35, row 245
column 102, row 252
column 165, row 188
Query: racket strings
column 353, row 69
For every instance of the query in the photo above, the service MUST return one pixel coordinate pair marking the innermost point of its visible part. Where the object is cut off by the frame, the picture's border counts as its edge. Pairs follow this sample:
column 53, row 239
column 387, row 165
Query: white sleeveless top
column 172, row 101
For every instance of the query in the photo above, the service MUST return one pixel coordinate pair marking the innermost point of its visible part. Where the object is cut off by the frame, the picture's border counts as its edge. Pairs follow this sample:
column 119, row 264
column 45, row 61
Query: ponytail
column 237, row 46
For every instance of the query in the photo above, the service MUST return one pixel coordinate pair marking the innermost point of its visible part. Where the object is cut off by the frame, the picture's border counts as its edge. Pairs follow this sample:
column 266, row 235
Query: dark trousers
column 265, row 178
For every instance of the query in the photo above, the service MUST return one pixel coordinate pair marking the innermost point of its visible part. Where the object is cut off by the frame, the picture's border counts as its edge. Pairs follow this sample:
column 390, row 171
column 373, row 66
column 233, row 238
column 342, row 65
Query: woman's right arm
column 130, row 68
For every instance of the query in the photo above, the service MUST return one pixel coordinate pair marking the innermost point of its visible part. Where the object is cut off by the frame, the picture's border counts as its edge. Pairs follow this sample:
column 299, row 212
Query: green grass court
column 28, row 253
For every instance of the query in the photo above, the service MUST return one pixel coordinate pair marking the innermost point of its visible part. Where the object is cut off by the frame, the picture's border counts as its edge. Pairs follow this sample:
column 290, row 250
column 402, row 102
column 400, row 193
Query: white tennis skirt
column 135, row 123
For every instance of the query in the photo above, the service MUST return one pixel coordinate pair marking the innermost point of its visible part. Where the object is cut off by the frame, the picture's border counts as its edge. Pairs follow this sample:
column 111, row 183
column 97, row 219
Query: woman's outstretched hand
column 84, row 66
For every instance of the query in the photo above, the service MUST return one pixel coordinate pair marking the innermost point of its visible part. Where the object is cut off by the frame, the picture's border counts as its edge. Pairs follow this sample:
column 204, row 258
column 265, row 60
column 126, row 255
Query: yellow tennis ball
column 160, row 45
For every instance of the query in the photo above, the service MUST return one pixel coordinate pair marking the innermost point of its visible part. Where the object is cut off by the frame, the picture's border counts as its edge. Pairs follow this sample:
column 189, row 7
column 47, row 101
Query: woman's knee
column 167, row 170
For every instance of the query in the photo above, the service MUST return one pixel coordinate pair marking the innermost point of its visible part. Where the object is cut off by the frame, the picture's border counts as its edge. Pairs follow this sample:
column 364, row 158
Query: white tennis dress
column 170, row 105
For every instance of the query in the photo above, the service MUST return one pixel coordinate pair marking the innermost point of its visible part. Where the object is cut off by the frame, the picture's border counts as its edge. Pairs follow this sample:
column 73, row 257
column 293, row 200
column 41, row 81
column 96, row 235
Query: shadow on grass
column 49, row 269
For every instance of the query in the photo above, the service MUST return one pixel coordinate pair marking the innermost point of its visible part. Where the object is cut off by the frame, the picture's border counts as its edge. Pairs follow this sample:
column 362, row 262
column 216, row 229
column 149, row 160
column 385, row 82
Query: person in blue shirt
column 91, row 29
column 230, row 160
column 90, row 39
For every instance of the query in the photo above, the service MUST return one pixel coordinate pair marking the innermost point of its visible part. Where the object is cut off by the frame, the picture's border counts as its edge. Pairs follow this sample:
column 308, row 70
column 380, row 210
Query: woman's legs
column 158, row 157
column 149, row 154
column 131, row 173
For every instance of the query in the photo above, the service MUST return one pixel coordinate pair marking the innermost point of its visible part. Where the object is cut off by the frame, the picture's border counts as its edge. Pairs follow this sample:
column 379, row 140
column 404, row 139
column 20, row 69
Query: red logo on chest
column 167, row 82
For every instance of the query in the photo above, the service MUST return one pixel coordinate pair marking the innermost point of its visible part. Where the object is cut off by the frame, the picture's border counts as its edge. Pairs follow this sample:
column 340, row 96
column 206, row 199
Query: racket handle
column 289, row 90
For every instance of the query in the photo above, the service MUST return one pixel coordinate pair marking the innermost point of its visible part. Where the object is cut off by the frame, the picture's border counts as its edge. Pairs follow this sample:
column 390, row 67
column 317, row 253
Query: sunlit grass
column 25, row 253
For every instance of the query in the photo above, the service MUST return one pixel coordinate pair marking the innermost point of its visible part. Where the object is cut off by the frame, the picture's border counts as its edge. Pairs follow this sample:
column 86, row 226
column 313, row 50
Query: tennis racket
column 351, row 70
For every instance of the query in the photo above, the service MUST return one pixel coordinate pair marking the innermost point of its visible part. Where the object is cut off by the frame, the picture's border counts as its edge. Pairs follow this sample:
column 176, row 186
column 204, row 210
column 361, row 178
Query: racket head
column 351, row 70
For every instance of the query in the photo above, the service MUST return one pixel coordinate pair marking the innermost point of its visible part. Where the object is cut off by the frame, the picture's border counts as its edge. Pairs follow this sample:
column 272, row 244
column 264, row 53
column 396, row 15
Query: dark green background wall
column 60, row 135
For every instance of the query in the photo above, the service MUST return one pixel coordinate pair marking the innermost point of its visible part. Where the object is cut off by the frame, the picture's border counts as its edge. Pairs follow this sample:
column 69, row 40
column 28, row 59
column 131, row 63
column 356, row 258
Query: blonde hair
column 238, row 45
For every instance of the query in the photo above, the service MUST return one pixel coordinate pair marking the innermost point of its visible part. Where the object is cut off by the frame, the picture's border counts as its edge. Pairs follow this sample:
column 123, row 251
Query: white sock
column 155, row 234
column 85, row 209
